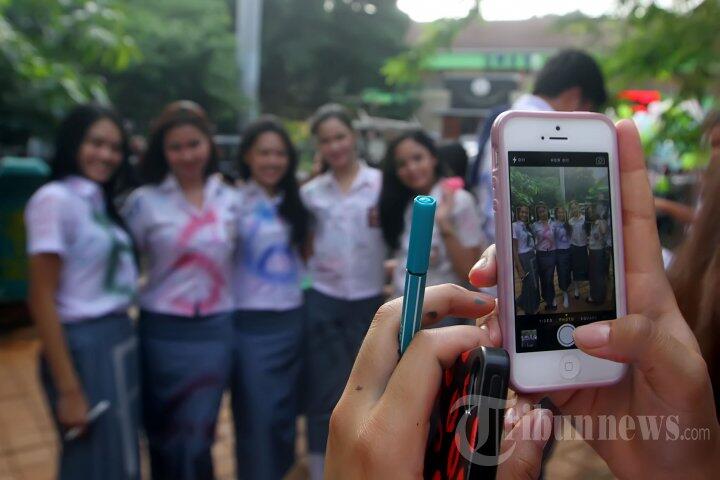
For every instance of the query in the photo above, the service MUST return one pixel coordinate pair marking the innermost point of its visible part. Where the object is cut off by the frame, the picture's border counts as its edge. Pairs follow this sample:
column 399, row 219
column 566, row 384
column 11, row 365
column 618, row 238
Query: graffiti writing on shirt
column 274, row 262
column 118, row 250
column 561, row 233
column 544, row 235
column 198, row 260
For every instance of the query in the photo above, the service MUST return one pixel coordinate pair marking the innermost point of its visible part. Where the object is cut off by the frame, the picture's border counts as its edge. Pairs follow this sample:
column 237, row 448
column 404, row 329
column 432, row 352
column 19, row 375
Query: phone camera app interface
column 561, row 246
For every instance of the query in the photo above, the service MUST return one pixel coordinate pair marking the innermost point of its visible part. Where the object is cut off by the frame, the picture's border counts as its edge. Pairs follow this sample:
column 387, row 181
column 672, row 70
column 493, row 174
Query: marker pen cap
column 423, row 219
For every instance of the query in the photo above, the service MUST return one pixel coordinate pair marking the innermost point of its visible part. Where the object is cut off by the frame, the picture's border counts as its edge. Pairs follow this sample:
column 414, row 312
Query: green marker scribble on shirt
column 117, row 250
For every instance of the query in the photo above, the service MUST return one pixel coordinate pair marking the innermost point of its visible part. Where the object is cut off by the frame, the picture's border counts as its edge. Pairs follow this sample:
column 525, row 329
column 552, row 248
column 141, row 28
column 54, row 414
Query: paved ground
column 574, row 305
column 28, row 446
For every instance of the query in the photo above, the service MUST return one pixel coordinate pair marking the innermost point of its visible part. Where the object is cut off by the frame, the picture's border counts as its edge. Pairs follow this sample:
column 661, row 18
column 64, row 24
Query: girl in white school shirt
column 412, row 168
column 578, row 247
column 183, row 222
column 82, row 281
column 544, row 234
column 525, row 262
column 596, row 229
column 273, row 231
column 562, row 230
column 346, row 269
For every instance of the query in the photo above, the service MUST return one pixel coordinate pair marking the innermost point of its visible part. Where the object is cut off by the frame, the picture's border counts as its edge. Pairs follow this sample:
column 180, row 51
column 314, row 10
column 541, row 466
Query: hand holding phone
column 379, row 428
column 669, row 377
column 453, row 183
column 446, row 205
column 466, row 426
column 93, row 414
column 557, row 209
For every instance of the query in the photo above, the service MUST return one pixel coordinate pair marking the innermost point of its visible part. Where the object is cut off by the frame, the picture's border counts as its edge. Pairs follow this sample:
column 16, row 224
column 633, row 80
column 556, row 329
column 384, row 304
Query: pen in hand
column 421, row 228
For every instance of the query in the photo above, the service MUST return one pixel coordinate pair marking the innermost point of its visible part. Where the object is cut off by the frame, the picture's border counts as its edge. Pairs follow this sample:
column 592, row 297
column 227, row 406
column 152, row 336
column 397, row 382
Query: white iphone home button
column 569, row 366
column 565, row 335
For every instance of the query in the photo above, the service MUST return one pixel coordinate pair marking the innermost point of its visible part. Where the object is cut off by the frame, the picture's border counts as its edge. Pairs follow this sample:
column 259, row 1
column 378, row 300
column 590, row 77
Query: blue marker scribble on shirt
column 268, row 253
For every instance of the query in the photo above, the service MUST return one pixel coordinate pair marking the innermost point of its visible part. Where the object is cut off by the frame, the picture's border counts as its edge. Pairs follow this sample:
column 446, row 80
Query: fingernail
column 593, row 335
column 481, row 263
column 510, row 418
column 541, row 426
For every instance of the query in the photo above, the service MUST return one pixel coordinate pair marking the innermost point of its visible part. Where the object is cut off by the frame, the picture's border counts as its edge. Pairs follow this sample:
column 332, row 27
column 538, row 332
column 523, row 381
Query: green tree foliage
column 677, row 50
column 532, row 185
column 581, row 185
column 188, row 52
column 680, row 46
column 51, row 53
column 317, row 51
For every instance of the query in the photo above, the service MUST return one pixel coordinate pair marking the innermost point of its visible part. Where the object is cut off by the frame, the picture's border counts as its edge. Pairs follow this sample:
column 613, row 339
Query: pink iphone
column 559, row 244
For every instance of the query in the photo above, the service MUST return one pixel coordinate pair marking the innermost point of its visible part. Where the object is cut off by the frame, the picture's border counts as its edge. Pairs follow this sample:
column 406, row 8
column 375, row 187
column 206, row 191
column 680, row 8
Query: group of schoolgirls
column 217, row 269
column 572, row 247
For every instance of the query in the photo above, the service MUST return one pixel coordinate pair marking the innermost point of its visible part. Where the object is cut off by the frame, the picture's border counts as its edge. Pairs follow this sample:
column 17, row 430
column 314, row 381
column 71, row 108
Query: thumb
column 525, row 444
column 639, row 341
column 484, row 272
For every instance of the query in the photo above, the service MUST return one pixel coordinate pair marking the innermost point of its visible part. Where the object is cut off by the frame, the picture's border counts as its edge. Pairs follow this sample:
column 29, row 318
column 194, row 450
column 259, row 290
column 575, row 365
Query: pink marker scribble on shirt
column 194, row 225
column 195, row 259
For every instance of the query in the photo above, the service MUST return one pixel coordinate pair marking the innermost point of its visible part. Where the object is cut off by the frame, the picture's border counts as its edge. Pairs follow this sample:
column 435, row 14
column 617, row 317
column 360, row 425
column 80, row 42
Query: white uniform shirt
column 268, row 268
column 562, row 239
column 596, row 240
column 544, row 236
column 578, row 237
column 466, row 223
column 188, row 250
column 98, row 274
column 521, row 233
column 348, row 250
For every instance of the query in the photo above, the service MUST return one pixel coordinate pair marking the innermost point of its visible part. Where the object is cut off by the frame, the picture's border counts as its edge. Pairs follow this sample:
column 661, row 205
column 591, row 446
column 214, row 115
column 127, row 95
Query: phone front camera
column 542, row 138
column 557, row 127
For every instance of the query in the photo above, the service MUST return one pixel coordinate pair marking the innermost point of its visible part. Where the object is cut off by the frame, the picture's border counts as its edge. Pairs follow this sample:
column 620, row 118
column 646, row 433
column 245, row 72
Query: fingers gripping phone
column 559, row 243
column 466, row 426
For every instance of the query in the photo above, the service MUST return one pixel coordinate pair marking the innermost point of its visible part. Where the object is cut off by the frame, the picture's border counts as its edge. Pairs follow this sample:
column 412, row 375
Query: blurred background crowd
column 408, row 74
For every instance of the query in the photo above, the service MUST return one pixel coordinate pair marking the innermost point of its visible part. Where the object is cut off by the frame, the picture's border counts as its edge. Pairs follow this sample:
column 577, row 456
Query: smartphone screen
column 562, row 246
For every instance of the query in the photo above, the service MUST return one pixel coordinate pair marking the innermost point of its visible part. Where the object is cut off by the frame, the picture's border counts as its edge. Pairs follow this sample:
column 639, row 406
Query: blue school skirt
column 185, row 364
column 335, row 329
column 104, row 353
column 266, row 368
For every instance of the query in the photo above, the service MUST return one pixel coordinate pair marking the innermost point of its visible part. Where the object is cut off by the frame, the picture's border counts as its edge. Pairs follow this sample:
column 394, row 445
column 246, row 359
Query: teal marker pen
column 423, row 219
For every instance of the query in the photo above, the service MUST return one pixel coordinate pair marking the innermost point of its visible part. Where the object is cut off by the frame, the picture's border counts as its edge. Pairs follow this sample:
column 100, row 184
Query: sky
column 429, row 10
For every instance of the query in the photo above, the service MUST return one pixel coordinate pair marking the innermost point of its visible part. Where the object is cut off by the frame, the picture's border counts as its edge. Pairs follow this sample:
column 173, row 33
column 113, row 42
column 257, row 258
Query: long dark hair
column 70, row 136
column 525, row 226
column 291, row 208
column 154, row 167
column 325, row 113
column 566, row 223
column 589, row 211
column 547, row 210
column 695, row 275
column 395, row 196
